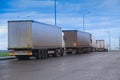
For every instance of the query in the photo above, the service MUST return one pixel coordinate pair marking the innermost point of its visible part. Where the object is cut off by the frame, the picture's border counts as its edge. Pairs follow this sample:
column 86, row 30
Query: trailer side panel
column 46, row 36
column 83, row 39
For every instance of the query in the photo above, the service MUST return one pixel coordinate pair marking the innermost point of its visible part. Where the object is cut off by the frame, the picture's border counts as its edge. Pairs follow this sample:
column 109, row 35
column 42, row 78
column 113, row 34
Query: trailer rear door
column 19, row 34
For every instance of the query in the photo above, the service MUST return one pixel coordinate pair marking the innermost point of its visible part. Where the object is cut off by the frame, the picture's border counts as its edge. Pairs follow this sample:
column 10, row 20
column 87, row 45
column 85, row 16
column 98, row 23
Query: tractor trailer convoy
column 28, row 38
column 31, row 38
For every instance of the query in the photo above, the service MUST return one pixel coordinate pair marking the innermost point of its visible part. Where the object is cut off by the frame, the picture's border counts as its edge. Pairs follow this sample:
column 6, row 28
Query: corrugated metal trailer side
column 46, row 36
column 77, row 41
column 83, row 39
column 32, row 38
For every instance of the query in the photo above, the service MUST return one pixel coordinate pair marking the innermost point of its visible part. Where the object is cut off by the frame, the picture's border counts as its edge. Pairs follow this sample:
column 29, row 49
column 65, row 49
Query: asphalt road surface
column 90, row 66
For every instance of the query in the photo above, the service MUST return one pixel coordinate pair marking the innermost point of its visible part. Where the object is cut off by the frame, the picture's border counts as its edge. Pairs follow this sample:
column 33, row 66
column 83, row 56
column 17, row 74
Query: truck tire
column 54, row 55
column 57, row 53
column 26, row 57
column 42, row 54
column 37, row 55
column 69, row 53
column 19, row 57
column 46, row 54
column 62, row 52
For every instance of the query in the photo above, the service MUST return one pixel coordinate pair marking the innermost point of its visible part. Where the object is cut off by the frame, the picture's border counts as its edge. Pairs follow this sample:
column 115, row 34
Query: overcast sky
column 101, row 16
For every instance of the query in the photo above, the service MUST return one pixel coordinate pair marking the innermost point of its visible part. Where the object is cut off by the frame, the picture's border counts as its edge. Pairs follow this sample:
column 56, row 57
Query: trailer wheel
column 62, row 52
column 54, row 54
column 42, row 54
column 19, row 57
column 77, row 51
column 57, row 52
column 27, row 57
column 46, row 54
column 68, row 53
column 37, row 55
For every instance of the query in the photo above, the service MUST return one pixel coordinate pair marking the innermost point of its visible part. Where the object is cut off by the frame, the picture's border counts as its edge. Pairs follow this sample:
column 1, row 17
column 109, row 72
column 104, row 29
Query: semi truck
column 77, row 41
column 101, row 47
column 28, row 38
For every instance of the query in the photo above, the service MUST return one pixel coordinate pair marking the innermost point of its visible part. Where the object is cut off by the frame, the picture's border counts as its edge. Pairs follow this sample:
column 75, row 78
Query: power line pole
column 84, row 23
column 109, row 39
column 55, row 12
column 119, row 42
column 84, row 20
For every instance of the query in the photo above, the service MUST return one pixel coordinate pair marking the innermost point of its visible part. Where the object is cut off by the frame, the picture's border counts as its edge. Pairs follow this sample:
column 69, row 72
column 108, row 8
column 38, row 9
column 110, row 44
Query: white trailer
column 31, row 38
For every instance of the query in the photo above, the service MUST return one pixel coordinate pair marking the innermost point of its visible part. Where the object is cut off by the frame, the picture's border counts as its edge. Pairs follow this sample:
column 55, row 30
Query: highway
column 89, row 66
